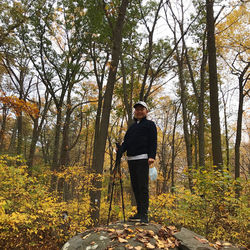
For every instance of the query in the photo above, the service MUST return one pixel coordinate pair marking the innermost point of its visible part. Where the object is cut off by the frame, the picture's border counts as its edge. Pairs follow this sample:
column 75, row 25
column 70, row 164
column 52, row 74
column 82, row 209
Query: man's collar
column 143, row 119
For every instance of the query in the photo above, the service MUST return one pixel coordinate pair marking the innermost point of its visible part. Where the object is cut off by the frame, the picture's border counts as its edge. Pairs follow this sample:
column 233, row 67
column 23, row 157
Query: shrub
column 31, row 216
column 211, row 210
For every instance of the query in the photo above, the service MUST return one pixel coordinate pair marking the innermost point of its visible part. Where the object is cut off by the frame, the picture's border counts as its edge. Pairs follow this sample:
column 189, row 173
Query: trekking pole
column 117, row 168
column 111, row 196
column 123, row 208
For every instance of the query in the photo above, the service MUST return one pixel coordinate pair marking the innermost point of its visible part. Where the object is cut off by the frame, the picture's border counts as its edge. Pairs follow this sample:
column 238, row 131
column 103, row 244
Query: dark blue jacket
column 141, row 138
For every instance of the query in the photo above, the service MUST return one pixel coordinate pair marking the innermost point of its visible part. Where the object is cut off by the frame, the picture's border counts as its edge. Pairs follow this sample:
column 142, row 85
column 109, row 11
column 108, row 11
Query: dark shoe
column 144, row 219
column 136, row 217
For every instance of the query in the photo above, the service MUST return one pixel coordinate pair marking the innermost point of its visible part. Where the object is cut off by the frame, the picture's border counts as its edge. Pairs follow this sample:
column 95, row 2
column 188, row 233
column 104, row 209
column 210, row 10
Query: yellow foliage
column 211, row 210
column 31, row 216
column 20, row 105
column 234, row 32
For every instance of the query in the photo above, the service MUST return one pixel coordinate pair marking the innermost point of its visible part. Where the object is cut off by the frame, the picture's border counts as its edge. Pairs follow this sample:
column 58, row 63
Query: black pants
column 139, row 179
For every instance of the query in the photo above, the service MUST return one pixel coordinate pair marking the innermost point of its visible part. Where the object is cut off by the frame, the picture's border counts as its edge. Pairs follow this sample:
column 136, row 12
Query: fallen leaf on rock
column 141, row 235
column 151, row 233
column 201, row 240
column 130, row 236
column 150, row 246
column 213, row 245
column 86, row 236
column 172, row 228
column 169, row 240
column 138, row 248
column 139, row 229
column 226, row 244
column 121, row 240
column 163, row 233
column 156, row 237
column 142, row 240
column 92, row 243
column 218, row 243
column 128, row 230
column 169, row 245
column 176, row 242
column 160, row 244
column 129, row 246
column 119, row 232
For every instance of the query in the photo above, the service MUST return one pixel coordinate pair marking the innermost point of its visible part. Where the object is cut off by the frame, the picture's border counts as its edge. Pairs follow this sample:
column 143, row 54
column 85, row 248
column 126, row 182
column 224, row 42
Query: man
column 140, row 142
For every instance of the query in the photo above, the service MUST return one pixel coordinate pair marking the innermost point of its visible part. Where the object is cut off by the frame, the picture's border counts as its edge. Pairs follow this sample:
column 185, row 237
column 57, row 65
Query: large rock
column 191, row 241
column 124, row 236
column 138, row 237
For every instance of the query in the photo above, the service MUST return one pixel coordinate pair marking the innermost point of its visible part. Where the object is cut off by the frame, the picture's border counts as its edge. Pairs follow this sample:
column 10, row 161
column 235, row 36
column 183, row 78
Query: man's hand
column 151, row 161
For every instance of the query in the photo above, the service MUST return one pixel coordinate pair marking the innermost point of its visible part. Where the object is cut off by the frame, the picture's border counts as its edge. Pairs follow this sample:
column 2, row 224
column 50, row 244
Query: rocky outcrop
column 138, row 237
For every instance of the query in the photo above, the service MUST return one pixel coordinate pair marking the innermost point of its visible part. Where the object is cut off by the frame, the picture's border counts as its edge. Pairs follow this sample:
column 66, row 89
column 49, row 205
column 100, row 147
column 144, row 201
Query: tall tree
column 100, row 138
column 52, row 42
column 213, row 86
column 181, row 68
column 16, row 64
column 197, row 72
column 233, row 46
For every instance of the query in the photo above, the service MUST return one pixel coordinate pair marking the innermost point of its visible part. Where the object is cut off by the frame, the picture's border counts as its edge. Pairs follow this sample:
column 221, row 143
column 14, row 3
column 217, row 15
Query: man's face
column 140, row 112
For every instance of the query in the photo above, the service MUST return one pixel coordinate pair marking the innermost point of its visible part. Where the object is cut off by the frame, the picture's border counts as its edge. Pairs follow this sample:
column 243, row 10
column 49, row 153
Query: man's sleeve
column 152, row 141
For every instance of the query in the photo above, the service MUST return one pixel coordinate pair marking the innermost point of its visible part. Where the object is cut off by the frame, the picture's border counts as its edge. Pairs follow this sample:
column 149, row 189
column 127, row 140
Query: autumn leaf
column 201, row 240
column 160, row 244
column 119, row 232
column 121, row 240
column 172, row 228
column 128, row 230
column 138, row 248
column 142, row 240
column 227, row 244
column 156, row 237
column 139, row 230
column 150, row 246
column 150, row 233
column 129, row 246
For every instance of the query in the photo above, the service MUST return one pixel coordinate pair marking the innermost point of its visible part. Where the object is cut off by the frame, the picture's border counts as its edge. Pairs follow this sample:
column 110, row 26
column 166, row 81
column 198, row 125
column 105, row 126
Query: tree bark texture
column 20, row 133
column 3, row 128
column 213, row 87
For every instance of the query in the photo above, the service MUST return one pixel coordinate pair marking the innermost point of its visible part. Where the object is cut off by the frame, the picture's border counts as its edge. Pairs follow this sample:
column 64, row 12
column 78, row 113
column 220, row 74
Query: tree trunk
column 64, row 157
column 3, row 128
column 226, row 127
column 199, row 97
column 242, row 82
column 35, row 135
column 20, row 133
column 100, row 141
column 55, row 165
column 173, row 154
column 86, row 143
column 201, row 124
column 12, row 145
column 185, row 120
column 213, row 87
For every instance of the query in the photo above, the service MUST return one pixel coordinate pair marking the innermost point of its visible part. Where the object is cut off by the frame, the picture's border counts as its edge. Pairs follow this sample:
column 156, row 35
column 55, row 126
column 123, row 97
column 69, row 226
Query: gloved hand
column 153, row 173
column 119, row 151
